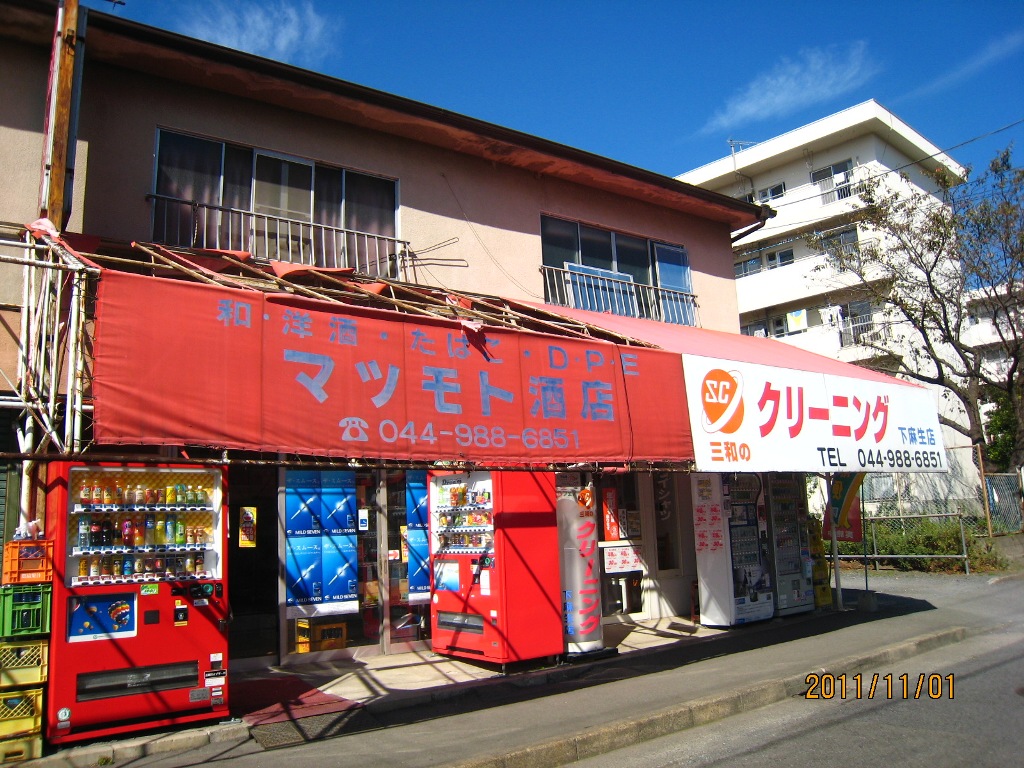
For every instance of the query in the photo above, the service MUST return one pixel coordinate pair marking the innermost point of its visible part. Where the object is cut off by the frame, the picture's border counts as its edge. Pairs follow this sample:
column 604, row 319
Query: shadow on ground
column 529, row 680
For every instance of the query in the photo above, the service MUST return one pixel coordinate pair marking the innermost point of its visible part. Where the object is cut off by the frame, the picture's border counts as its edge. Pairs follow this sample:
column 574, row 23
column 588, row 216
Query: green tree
column 946, row 267
column 1001, row 429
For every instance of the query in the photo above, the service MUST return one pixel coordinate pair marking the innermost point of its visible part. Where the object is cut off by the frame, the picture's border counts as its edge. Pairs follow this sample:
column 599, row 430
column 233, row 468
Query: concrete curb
column 608, row 738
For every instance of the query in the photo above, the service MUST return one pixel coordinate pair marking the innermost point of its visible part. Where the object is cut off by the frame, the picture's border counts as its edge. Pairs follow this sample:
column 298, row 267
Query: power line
column 910, row 164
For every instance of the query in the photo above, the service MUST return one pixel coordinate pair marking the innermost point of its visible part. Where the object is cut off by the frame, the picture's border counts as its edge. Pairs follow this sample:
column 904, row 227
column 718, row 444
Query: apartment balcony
column 600, row 290
column 189, row 224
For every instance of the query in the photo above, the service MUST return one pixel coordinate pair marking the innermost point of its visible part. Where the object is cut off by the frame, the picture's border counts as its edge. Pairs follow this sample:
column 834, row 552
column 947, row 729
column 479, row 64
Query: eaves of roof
column 121, row 43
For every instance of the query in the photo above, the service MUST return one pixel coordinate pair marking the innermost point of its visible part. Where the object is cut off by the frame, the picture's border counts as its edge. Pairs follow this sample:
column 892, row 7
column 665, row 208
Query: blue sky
column 660, row 85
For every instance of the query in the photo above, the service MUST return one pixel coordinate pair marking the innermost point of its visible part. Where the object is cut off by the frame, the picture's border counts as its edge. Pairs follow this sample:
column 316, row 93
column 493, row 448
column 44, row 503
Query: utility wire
column 907, row 165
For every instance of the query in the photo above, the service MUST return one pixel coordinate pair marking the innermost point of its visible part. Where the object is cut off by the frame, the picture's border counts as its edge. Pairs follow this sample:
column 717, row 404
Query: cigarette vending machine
column 731, row 542
column 495, row 566
column 791, row 552
column 140, row 603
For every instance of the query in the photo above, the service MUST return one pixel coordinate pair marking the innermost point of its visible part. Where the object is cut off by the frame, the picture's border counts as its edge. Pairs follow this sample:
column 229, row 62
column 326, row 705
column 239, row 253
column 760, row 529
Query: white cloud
column 816, row 75
column 993, row 53
column 292, row 32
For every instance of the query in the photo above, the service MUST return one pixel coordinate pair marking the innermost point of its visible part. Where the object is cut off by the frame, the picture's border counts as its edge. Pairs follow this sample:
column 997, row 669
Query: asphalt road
column 962, row 704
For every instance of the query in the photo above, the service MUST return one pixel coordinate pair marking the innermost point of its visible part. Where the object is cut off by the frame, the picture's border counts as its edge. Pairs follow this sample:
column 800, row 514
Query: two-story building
column 254, row 262
column 179, row 145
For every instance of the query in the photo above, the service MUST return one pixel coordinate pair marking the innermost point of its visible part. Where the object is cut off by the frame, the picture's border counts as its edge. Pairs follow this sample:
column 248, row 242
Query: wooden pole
column 62, row 72
column 984, row 489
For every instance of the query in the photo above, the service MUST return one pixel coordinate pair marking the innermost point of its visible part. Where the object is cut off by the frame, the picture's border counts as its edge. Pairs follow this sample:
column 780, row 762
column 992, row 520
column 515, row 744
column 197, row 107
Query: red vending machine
column 495, row 566
column 140, row 604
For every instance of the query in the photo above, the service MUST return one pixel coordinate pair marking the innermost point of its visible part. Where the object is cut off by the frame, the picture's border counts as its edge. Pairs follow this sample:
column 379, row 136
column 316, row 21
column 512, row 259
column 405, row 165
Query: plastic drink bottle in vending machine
column 170, row 526
column 128, row 532
column 160, row 533
column 83, row 531
column 179, row 532
column 150, row 530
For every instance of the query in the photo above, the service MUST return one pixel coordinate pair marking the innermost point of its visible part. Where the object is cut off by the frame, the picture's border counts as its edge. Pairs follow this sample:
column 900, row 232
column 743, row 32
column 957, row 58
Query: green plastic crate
column 25, row 609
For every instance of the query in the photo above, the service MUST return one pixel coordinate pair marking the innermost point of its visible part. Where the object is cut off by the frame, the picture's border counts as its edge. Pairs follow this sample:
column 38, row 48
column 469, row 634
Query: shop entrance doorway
column 366, row 565
column 252, row 563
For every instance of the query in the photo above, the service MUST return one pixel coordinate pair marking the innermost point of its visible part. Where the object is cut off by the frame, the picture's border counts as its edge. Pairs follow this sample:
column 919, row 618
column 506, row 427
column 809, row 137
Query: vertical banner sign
column 844, row 502
column 321, row 574
column 417, row 538
column 610, row 505
column 576, row 512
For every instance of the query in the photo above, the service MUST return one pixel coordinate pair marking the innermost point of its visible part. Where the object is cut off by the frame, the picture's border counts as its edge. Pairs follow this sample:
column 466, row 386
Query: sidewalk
column 666, row 676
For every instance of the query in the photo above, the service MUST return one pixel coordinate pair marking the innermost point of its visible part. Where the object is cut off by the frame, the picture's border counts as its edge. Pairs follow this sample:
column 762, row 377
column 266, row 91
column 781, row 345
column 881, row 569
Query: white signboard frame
column 748, row 417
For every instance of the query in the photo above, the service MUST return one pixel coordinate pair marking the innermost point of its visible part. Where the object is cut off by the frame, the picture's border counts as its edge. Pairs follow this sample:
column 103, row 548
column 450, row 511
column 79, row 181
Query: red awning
column 685, row 339
column 186, row 363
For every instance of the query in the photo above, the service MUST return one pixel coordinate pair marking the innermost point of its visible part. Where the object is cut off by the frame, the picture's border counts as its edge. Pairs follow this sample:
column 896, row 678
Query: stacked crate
column 24, row 646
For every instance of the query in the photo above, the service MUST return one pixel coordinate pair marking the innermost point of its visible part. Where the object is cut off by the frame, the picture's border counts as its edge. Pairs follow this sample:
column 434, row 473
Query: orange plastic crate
column 28, row 561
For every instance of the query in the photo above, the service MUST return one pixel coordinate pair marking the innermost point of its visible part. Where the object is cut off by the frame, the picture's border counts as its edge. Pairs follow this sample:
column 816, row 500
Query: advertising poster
column 321, row 516
column 304, row 570
column 340, row 569
column 302, row 503
column 337, row 502
column 247, row 527
column 417, row 537
column 101, row 617
column 610, row 507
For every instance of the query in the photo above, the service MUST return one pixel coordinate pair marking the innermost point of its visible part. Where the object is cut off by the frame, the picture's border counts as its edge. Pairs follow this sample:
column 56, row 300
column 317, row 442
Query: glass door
column 403, row 568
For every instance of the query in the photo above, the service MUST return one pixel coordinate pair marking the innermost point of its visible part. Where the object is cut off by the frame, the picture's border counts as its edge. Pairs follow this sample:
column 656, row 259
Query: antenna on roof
column 733, row 143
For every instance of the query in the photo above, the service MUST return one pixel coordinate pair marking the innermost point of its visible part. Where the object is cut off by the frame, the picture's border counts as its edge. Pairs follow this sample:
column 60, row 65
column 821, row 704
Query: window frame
column 771, row 192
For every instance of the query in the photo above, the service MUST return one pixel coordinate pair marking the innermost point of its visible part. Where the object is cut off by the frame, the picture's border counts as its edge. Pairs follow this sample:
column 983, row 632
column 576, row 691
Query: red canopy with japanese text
column 181, row 363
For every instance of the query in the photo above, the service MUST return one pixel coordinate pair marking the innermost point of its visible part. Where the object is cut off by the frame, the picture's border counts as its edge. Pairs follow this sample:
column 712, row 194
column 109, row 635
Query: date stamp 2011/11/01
column 825, row 685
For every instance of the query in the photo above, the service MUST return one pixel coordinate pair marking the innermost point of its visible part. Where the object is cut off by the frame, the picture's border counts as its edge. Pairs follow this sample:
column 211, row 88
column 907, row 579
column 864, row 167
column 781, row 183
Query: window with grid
column 834, row 181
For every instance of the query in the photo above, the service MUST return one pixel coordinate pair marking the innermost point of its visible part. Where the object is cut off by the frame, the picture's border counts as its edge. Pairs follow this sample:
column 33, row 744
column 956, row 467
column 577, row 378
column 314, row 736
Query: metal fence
column 896, row 539
column 1004, row 510
column 956, row 492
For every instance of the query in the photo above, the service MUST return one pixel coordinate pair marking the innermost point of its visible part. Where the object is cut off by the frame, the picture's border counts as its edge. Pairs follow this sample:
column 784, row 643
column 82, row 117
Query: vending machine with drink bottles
column 495, row 566
column 140, row 603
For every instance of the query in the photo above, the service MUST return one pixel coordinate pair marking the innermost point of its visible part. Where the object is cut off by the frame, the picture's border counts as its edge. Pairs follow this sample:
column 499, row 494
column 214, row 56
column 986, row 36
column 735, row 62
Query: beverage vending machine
column 495, row 566
column 140, row 603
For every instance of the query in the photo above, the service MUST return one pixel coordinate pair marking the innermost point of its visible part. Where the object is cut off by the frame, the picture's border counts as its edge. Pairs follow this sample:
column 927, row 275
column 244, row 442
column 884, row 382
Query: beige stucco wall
column 23, row 75
column 489, row 214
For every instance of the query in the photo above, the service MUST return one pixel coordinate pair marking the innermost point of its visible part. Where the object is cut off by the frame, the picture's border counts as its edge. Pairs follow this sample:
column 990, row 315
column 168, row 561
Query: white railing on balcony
column 863, row 331
column 188, row 224
column 618, row 296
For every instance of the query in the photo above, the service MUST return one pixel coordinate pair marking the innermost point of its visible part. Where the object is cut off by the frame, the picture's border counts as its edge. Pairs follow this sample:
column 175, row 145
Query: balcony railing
column 188, row 224
column 618, row 296
column 863, row 331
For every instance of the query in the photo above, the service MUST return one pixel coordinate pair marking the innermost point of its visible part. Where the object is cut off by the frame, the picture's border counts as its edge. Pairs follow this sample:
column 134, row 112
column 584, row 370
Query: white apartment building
column 785, row 287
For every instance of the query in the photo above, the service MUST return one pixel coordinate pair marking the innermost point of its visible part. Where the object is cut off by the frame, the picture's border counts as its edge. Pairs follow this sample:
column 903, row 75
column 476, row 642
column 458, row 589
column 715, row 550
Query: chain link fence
column 957, row 492
column 936, row 517
column 899, row 540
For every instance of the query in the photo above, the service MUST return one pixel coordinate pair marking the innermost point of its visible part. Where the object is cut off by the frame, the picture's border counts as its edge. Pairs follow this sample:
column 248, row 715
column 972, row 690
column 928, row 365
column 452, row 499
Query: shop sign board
column 748, row 417
column 278, row 372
